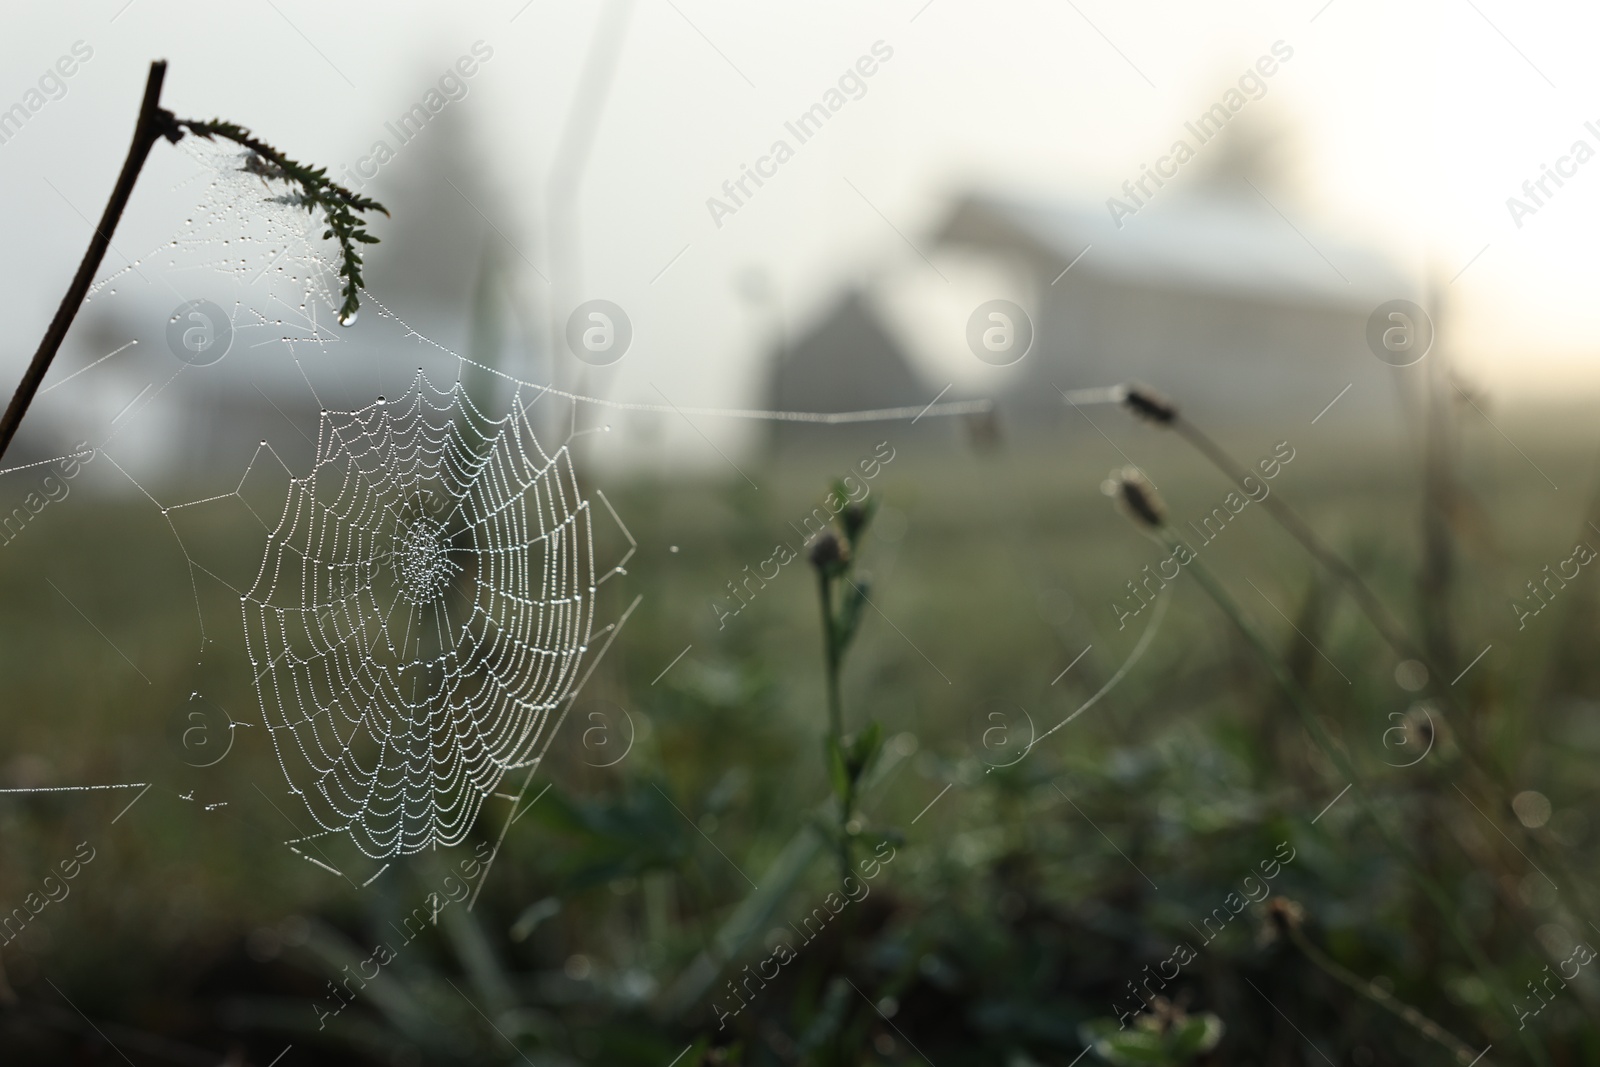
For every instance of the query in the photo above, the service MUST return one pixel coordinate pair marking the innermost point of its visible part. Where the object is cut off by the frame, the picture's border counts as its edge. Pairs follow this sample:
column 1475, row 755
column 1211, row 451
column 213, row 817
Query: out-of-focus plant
column 1139, row 499
column 1164, row 1036
column 1286, row 919
column 844, row 598
column 1151, row 407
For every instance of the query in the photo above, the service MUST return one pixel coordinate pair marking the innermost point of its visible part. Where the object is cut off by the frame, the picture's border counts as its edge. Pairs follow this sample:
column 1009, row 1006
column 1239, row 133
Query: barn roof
column 1228, row 244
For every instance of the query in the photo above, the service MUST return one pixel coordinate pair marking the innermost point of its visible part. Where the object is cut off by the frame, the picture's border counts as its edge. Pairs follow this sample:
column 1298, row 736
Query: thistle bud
column 1136, row 496
column 854, row 519
column 1284, row 917
column 1148, row 404
column 828, row 552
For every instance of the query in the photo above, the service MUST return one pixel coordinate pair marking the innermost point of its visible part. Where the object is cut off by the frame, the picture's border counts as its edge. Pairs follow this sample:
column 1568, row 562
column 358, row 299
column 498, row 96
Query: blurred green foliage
column 1022, row 901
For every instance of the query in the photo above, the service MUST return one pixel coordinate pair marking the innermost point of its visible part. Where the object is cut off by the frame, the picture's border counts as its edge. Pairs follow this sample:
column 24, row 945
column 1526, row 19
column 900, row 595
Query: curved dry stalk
column 1287, row 919
column 1150, row 406
column 1300, row 700
column 1159, row 410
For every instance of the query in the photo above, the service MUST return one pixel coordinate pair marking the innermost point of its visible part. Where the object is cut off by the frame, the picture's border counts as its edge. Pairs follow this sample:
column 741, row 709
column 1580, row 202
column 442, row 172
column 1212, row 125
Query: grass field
column 1030, row 899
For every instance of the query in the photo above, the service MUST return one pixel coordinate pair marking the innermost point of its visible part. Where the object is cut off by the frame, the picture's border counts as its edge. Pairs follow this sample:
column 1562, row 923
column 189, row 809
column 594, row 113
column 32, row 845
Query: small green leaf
column 838, row 773
column 1172, row 1042
column 1199, row 1034
column 863, row 747
column 855, row 518
column 850, row 612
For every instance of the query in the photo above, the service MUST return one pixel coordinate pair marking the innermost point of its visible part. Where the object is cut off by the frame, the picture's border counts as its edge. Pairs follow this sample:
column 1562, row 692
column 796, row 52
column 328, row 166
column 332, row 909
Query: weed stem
column 1301, row 702
column 1378, row 995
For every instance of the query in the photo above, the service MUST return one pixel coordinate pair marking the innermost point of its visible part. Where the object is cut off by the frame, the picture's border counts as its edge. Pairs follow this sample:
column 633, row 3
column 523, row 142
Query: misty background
column 580, row 159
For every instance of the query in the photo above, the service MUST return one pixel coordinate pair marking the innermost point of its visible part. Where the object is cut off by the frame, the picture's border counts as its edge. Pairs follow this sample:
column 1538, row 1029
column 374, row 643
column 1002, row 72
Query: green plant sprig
column 843, row 595
column 342, row 207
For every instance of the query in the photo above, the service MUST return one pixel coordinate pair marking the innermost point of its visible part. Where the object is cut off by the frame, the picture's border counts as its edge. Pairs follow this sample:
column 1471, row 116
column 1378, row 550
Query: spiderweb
column 423, row 607
column 423, row 612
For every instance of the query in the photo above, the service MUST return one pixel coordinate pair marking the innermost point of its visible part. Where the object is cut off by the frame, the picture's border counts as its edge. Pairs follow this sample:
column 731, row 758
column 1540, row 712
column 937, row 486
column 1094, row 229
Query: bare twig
column 153, row 123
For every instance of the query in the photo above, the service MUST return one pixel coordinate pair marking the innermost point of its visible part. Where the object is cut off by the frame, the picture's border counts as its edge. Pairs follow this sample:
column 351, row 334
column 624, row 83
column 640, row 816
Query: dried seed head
column 1164, row 1015
column 1136, row 496
column 1284, row 916
column 1148, row 404
column 854, row 517
column 828, row 552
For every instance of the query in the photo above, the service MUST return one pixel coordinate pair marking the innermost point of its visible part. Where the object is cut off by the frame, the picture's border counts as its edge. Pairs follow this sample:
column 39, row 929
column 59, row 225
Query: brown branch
column 153, row 123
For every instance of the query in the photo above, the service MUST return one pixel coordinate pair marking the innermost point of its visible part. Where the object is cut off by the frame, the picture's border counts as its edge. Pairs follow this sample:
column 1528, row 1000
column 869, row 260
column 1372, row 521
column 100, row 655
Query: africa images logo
column 599, row 332
column 999, row 333
column 199, row 333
